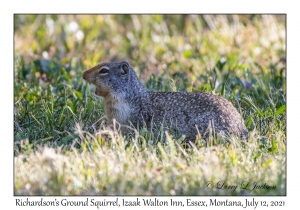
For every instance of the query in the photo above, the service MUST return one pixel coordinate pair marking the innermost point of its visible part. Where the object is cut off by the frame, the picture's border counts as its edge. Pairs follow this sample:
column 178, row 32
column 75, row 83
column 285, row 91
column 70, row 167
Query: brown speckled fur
column 127, row 101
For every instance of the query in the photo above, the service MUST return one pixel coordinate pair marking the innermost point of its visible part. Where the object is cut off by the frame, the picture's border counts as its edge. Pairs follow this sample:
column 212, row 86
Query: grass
column 62, row 145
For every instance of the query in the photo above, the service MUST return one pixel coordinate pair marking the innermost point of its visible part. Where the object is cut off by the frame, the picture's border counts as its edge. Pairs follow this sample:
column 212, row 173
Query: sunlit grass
column 121, row 167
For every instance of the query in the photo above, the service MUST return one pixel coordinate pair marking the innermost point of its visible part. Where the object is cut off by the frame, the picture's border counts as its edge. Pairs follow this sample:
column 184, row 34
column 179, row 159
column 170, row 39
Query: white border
column 8, row 8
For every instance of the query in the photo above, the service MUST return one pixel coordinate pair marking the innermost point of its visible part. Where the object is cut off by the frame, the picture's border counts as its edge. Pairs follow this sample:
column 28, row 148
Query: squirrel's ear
column 125, row 68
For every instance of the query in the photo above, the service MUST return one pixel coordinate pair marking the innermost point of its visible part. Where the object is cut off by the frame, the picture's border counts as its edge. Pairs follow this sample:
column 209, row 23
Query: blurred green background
column 152, row 43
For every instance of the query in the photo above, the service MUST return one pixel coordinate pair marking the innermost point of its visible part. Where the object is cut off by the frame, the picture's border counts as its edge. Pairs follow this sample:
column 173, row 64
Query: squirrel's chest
column 119, row 111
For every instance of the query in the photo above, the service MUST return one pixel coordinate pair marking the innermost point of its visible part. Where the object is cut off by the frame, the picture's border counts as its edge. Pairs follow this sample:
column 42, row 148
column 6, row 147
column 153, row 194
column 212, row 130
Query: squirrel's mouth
column 98, row 91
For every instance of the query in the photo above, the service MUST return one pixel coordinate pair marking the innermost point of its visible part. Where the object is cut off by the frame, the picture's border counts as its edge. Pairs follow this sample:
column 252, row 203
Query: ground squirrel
column 128, row 102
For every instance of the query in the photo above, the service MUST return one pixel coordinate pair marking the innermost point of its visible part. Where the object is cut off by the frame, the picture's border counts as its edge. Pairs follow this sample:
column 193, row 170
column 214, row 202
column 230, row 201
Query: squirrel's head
column 111, row 78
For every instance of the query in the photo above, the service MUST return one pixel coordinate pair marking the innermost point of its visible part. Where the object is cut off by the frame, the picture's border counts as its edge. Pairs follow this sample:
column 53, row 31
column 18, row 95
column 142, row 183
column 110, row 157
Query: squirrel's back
column 197, row 110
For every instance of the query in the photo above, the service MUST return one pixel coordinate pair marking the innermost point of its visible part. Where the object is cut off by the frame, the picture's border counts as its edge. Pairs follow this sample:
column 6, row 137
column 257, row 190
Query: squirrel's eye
column 103, row 71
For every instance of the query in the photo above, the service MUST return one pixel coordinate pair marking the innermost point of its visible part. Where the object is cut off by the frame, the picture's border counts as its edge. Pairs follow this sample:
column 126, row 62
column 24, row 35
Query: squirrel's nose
column 84, row 75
